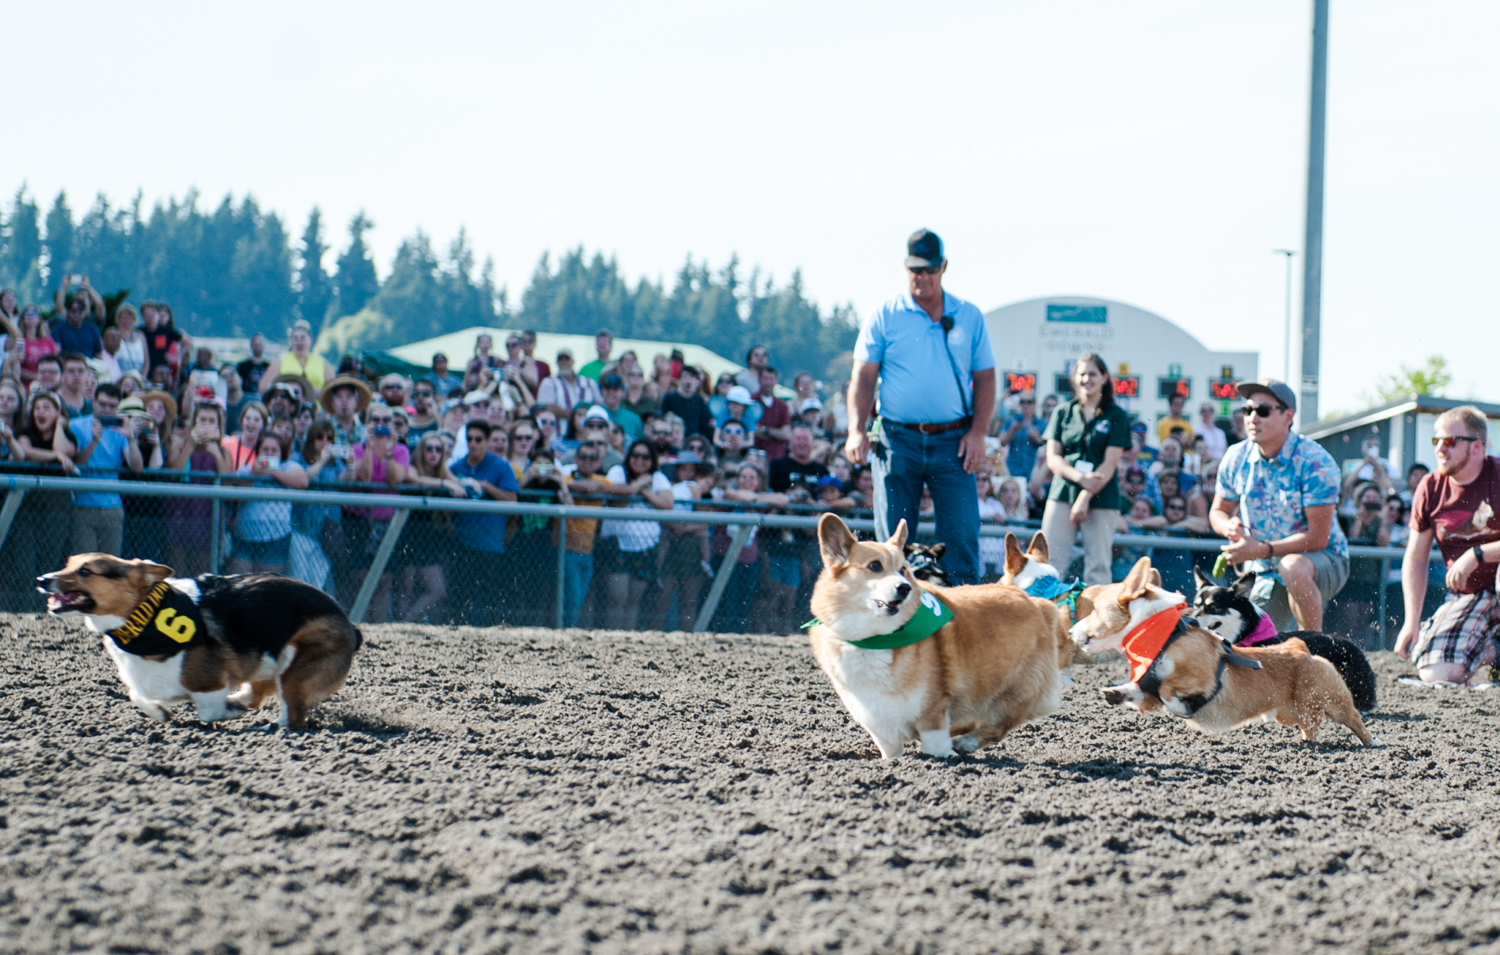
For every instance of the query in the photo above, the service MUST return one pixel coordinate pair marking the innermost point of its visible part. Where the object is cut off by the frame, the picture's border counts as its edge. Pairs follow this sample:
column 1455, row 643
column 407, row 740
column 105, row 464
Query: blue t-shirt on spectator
column 485, row 532
column 85, row 339
column 103, row 465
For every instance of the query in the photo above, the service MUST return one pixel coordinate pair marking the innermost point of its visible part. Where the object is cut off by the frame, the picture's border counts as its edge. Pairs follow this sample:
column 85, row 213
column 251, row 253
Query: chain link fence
column 396, row 554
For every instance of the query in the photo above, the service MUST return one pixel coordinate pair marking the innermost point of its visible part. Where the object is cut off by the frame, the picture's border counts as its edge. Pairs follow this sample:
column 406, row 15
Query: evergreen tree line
column 235, row 270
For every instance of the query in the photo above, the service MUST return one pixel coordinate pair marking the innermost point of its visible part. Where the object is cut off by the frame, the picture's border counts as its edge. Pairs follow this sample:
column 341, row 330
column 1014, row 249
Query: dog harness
column 1265, row 630
column 931, row 616
column 1050, row 588
column 1145, row 644
column 166, row 622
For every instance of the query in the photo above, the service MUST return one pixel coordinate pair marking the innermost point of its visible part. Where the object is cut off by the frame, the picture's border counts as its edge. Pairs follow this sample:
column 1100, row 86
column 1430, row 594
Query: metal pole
column 562, row 567
column 1385, row 572
column 377, row 566
column 1312, row 256
column 214, row 530
column 721, row 579
column 1286, row 338
column 8, row 512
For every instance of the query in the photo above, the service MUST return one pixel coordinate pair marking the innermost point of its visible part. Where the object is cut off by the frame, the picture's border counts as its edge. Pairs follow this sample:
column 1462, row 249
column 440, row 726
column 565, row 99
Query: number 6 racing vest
column 166, row 622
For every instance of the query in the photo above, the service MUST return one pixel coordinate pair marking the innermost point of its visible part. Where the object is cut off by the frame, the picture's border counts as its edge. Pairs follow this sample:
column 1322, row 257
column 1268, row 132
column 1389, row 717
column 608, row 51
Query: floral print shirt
column 1273, row 495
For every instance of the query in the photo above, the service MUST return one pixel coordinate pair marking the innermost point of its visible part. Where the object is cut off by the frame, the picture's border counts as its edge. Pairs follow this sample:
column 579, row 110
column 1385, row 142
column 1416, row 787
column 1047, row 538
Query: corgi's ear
column 154, row 573
column 1015, row 561
column 1154, row 578
column 898, row 539
column 1038, row 548
column 1244, row 585
column 835, row 540
column 1137, row 581
column 938, row 550
column 1201, row 579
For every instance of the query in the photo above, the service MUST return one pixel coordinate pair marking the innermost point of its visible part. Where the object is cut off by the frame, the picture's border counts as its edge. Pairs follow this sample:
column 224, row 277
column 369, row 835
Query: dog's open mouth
column 891, row 607
column 65, row 601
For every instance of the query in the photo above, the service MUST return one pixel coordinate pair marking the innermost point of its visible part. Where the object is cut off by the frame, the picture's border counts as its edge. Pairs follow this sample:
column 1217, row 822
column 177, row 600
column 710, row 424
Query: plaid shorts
column 1459, row 631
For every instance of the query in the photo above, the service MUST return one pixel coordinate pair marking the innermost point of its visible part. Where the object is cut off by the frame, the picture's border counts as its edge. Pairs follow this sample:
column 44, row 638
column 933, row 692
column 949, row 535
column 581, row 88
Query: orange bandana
column 1147, row 640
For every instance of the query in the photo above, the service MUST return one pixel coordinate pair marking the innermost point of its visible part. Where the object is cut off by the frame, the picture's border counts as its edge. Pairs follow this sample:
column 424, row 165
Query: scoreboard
column 1173, row 387
column 1127, row 386
column 1017, row 381
column 1223, row 389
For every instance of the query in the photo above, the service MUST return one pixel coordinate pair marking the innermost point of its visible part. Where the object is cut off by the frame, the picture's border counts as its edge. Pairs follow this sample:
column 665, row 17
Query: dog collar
column 166, row 622
column 1053, row 589
column 931, row 616
column 1265, row 630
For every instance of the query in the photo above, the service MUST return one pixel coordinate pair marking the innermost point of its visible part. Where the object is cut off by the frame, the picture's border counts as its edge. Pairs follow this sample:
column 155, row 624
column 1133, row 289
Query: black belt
column 930, row 427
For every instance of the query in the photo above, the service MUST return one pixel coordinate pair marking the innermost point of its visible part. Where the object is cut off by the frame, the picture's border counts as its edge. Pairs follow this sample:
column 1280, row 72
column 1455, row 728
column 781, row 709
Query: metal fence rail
column 716, row 569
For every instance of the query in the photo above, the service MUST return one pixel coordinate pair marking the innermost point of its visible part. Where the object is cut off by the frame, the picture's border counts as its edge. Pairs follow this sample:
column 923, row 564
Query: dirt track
column 525, row 791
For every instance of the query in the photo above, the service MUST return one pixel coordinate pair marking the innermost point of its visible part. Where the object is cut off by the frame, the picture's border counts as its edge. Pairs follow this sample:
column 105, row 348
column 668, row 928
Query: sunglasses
column 640, row 454
column 1027, row 401
column 522, row 437
column 1261, row 411
column 925, row 269
column 420, row 393
column 381, row 420
column 1447, row 441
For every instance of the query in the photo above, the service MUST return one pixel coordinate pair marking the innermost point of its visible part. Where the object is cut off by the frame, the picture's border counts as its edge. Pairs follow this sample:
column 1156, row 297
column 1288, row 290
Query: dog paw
column 150, row 709
column 1113, row 696
column 1375, row 741
column 965, row 745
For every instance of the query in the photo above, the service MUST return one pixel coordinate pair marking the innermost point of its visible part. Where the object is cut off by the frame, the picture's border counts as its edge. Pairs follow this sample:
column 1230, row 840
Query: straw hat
column 304, row 387
column 165, row 399
column 358, row 384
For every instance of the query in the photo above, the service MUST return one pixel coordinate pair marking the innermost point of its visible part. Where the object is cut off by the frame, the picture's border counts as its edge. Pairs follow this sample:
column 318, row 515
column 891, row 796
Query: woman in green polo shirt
column 1085, row 439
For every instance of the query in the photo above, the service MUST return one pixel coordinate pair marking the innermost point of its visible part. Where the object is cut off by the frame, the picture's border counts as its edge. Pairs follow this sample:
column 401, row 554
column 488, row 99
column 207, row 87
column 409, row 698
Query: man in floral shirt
column 1275, row 501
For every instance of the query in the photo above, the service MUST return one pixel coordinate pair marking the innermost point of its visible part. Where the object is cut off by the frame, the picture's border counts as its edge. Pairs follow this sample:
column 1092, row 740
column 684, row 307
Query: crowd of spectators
column 122, row 393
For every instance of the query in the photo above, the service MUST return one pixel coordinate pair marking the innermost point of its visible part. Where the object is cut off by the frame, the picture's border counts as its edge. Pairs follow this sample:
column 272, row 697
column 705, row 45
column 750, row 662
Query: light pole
column 1286, row 342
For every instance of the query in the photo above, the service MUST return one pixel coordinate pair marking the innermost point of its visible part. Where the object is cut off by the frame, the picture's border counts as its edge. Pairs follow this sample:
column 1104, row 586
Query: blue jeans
column 578, row 570
column 932, row 459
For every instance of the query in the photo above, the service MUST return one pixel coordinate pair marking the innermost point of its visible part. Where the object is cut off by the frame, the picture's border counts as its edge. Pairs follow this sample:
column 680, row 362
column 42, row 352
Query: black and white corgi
column 1228, row 612
column 923, row 561
column 225, row 643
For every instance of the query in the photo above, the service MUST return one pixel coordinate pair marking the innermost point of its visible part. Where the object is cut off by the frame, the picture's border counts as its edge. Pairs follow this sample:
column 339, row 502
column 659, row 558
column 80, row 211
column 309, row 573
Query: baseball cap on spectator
column 829, row 480
column 1270, row 386
column 597, row 413
column 437, row 354
column 565, row 353
column 392, row 379
column 302, row 324
column 812, row 404
column 1139, row 427
column 613, row 381
column 739, row 394
column 924, row 250
column 475, row 397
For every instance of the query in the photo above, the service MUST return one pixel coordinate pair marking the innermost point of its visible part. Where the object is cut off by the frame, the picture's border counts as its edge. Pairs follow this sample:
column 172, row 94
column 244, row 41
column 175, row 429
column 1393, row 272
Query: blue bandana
column 1053, row 589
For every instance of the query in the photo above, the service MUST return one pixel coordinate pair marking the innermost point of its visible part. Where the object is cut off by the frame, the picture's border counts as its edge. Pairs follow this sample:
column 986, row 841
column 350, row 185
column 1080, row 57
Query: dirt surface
column 529, row 791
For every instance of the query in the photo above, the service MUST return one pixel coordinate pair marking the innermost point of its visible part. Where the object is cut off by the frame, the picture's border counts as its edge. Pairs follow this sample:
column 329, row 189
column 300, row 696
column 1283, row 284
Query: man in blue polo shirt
column 101, row 444
column 931, row 354
column 481, row 537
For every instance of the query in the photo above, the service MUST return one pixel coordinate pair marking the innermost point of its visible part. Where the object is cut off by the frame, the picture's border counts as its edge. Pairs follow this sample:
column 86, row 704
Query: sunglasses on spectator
column 1176, row 507
column 1027, row 401
column 925, row 269
column 429, row 448
column 385, row 420
column 586, row 456
column 640, row 454
column 519, row 436
column 1449, row 440
column 423, row 393
column 1261, row 411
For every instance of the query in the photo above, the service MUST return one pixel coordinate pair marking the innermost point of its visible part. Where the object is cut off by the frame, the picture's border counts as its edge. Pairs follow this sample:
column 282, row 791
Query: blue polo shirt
column 104, row 464
column 484, row 532
column 916, row 379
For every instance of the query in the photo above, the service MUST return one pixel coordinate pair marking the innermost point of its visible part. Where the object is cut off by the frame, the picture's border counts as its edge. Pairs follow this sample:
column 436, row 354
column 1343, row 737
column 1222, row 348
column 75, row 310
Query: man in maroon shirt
column 1458, row 505
column 774, row 429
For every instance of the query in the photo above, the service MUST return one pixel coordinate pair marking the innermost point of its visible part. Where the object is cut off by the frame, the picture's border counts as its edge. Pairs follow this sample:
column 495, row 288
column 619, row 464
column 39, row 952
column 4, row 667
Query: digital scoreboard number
column 1127, row 386
column 1018, row 381
column 1224, row 389
column 1173, row 387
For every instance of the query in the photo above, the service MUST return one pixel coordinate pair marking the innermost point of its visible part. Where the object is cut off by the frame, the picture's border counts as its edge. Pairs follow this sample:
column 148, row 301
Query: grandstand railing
column 17, row 486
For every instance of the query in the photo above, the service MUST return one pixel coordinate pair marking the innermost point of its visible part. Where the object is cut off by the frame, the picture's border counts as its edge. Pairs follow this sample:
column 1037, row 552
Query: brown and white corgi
column 992, row 666
column 1191, row 673
column 225, row 643
column 1025, row 568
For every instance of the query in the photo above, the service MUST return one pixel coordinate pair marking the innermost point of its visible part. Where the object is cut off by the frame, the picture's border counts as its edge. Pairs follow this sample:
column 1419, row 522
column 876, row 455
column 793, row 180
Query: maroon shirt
column 1440, row 503
column 778, row 414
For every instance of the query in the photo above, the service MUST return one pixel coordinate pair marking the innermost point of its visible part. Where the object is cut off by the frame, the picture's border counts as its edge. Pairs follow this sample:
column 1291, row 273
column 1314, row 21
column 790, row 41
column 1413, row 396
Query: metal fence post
column 562, row 569
column 377, row 566
column 8, row 512
column 216, row 530
column 721, row 579
column 1385, row 573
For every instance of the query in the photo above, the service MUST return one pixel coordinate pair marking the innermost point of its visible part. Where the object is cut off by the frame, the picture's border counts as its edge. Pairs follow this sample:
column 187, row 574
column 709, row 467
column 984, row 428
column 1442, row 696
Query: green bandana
column 931, row 616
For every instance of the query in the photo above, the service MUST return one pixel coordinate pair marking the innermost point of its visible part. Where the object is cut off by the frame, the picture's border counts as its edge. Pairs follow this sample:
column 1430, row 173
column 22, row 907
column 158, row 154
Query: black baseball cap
column 612, row 381
column 1269, row 386
column 924, row 250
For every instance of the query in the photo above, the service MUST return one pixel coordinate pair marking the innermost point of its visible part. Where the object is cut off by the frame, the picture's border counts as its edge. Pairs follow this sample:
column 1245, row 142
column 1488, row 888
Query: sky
column 1148, row 152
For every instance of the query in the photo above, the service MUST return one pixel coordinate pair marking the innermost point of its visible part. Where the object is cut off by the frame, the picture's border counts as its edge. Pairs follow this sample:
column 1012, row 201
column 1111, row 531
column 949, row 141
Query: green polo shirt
column 1087, row 441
